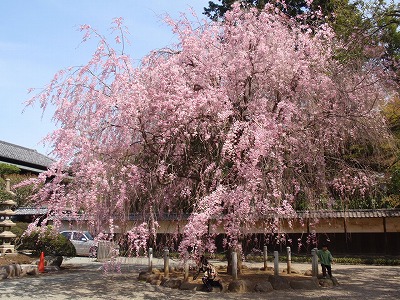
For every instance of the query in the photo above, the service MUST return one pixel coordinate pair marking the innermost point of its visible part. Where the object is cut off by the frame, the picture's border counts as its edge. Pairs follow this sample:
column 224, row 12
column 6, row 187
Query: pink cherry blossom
column 229, row 126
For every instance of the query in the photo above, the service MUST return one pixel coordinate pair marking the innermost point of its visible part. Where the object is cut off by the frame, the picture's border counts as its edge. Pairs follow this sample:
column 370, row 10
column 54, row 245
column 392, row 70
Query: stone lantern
column 5, row 226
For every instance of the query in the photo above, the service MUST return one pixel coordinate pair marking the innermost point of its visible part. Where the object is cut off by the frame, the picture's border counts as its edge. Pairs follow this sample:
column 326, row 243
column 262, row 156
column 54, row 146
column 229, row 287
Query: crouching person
column 209, row 274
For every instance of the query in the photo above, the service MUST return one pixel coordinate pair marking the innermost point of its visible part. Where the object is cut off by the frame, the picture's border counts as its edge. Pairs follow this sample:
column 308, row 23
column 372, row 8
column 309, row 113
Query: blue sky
column 40, row 37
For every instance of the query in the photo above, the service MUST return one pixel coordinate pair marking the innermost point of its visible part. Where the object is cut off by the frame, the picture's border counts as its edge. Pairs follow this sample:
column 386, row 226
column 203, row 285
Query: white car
column 83, row 242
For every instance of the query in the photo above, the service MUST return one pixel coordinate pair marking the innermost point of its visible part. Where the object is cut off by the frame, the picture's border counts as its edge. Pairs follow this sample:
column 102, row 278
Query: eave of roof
column 25, row 157
column 318, row 214
column 22, row 167
column 24, row 211
column 351, row 213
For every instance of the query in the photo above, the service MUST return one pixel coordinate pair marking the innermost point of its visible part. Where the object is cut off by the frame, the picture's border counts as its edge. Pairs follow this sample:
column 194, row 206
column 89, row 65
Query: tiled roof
column 320, row 214
column 351, row 213
column 23, row 211
column 24, row 158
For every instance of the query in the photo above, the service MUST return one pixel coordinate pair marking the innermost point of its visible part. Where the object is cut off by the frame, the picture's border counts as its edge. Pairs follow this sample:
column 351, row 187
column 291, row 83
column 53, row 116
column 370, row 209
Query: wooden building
column 347, row 232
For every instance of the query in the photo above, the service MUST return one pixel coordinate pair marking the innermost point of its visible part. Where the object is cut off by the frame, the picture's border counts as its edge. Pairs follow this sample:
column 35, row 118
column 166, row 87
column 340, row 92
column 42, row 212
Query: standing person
column 325, row 257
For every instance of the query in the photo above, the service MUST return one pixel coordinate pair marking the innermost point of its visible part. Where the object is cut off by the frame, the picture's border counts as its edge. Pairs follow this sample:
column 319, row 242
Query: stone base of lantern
column 7, row 249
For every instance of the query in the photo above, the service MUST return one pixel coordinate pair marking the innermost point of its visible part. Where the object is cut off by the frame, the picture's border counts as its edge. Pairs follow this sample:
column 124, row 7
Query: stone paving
column 83, row 278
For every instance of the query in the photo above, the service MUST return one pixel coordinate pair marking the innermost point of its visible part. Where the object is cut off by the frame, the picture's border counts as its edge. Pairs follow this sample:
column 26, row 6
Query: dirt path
column 87, row 281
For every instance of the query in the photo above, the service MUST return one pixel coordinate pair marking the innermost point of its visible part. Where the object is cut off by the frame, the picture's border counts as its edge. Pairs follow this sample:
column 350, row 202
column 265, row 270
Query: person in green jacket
column 325, row 258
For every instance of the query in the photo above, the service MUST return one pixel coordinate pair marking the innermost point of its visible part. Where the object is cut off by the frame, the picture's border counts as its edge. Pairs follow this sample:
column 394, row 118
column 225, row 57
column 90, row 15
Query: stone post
column 265, row 257
column 314, row 263
column 276, row 263
column 166, row 262
column 234, row 265
column 150, row 259
column 289, row 259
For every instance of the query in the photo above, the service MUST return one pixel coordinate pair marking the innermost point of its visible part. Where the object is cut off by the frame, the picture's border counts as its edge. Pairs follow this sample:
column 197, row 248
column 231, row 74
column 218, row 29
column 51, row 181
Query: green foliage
column 391, row 201
column 384, row 26
column 391, row 111
column 292, row 8
column 364, row 203
column 5, row 195
column 394, row 184
column 19, row 229
column 216, row 11
column 49, row 241
column 380, row 261
column 21, row 194
column 363, row 260
column 301, row 202
column 6, row 169
column 392, row 197
column 370, row 32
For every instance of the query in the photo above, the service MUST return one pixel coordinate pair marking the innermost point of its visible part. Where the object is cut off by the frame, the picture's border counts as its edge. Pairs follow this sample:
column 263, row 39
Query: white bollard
column 289, row 259
column 150, row 259
column 314, row 263
column 276, row 263
column 265, row 257
column 234, row 265
column 166, row 262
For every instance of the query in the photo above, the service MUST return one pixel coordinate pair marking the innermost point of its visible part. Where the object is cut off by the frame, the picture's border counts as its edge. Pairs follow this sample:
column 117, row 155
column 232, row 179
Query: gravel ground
column 84, row 279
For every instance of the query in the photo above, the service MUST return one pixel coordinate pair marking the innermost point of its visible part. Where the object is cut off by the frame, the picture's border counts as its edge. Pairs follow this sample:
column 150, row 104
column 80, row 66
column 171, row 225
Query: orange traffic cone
column 41, row 263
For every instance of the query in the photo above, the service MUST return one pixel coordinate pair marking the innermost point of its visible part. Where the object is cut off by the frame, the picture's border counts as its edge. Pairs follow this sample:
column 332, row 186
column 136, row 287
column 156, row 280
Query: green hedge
column 362, row 260
column 48, row 241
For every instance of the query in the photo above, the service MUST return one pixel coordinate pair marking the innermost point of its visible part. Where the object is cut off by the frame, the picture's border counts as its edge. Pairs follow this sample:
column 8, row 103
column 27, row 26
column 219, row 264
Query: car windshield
column 88, row 235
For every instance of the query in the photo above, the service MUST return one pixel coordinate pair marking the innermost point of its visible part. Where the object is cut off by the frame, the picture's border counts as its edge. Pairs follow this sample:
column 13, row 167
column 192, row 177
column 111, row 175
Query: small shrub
column 19, row 229
column 367, row 260
column 47, row 241
column 4, row 195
